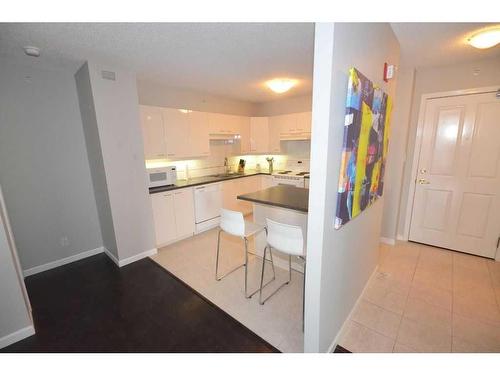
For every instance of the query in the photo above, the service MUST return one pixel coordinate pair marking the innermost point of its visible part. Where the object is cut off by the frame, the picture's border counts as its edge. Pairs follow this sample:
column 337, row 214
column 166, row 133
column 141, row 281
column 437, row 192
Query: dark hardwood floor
column 93, row 306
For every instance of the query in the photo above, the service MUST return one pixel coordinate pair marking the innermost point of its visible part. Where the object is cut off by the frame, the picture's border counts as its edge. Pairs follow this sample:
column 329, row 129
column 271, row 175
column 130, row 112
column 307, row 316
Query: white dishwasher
column 207, row 205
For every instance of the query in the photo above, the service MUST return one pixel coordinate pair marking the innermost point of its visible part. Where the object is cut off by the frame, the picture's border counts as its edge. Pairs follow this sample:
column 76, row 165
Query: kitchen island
column 285, row 204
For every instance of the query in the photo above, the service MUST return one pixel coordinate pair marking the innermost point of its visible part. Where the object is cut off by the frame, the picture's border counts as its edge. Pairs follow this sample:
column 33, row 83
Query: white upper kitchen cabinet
column 304, row 122
column 164, row 217
column 259, row 135
column 184, row 212
column 176, row 123
column 245, row 134
column 275, row 126
column 199, row 140
column 153, row 132
column 220, row 123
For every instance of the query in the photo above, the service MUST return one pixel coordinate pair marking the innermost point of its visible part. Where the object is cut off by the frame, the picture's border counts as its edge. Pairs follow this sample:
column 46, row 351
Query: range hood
column 224, row 136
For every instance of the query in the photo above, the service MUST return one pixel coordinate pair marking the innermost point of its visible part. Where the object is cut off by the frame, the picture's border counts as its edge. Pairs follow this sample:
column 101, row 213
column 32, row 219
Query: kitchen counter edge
column 181, row 184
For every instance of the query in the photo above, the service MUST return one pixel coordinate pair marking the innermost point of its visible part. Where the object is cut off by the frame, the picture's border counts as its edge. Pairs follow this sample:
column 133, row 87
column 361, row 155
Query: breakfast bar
column 285, row 204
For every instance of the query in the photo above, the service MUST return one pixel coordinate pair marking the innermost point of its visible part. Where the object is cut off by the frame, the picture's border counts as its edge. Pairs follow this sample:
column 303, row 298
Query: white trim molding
column 134, row 258
column 17, row 336
column 335, row 341
column 62, row 262
column 418, row 144
column 388, row 241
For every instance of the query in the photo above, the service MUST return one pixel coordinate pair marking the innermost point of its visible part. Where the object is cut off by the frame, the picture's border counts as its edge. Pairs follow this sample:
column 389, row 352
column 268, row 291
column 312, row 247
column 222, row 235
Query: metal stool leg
column 261, row 301
column 217, row 261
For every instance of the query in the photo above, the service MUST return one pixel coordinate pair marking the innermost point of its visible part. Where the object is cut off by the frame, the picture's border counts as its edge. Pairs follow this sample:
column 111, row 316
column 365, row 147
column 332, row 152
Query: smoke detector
column 32, row 51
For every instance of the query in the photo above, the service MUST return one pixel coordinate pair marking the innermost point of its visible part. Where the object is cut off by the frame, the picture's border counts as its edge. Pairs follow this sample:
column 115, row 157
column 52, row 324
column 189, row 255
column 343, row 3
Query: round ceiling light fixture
column 32, row 51
column 281, row 85
column 486, row 38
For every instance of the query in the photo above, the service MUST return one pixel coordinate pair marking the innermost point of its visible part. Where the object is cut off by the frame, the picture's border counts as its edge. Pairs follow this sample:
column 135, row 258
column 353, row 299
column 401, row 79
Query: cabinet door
column 275, row 125
column 176, row 124
column 229, row 193
column 245, row 134
column 153, row 132
column 184, row 212
column 164, row 217
column 267, row 182
column 304, row 122
column 259, row 135
column 288, row 124
column 199, row 142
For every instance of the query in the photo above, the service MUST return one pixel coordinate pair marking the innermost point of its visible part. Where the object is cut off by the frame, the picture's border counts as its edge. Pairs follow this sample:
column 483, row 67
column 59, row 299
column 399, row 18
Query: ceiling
column 226, row 59
column 432, row 44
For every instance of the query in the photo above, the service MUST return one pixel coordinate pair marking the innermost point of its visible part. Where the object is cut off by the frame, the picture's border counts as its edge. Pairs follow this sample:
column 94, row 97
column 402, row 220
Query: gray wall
column 339, row 262
column 113, row 130
column 96, row 163
column 43, row 164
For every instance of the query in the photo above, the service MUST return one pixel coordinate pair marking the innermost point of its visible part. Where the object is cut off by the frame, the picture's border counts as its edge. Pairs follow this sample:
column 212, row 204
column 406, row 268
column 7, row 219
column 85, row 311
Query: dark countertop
column 202, row 181
column 284, row 196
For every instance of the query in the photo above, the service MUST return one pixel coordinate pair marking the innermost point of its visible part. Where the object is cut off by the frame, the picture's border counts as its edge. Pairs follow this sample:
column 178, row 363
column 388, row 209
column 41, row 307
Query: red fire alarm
column 388, row 72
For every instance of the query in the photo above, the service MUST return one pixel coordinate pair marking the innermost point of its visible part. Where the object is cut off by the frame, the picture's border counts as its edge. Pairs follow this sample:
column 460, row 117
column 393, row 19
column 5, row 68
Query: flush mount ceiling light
column 32, row 51
column 281, row 85
column 485, row 38
column 185, row 110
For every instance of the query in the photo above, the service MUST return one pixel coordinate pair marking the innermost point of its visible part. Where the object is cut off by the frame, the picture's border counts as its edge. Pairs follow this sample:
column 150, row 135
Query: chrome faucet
column 226, row 165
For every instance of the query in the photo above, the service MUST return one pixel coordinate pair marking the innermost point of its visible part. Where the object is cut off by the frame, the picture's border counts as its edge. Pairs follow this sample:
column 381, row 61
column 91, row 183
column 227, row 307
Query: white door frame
column 418, row 145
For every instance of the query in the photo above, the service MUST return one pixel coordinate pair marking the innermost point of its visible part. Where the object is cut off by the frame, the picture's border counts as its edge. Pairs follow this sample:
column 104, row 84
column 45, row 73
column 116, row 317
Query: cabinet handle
column 170, row 154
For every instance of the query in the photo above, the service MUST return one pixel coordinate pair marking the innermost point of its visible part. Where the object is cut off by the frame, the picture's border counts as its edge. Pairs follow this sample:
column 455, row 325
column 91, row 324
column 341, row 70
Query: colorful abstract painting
column 366, row 140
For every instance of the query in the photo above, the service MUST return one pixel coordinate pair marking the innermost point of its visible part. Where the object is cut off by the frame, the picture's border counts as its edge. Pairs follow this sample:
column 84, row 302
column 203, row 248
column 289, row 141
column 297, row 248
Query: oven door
column 288, row 180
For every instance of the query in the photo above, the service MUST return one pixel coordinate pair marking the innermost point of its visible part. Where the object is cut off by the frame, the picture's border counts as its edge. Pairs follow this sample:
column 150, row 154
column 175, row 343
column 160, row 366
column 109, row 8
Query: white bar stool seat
column 233, row 223
column 287, row 239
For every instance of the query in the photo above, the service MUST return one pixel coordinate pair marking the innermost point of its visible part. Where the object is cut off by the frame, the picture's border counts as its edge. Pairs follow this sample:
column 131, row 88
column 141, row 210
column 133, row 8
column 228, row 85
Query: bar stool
column 233, row 223
column 287, row 239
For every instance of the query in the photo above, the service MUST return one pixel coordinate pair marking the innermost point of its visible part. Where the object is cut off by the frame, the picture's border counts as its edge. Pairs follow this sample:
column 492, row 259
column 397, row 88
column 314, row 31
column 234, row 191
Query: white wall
column 151, row 93
column 426, row 80
column 398, row 144
column 293, row 104
column 116, row 127
column 43, row 164
column 339, row 262
column 15, row 320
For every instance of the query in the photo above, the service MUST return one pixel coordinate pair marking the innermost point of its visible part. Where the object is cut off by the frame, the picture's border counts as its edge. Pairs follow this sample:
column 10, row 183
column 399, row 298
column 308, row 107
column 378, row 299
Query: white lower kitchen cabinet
column 267, row 182
column 184, row 212
column 164, row 217
column 173, row 213
column 238, row 186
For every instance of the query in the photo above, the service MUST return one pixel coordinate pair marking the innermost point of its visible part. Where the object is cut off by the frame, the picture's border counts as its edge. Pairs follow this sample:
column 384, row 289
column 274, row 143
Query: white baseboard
column 61, row 262
column 112, row 257
column 17, row 336
column 124, row 262
column 332, row 346
column 388, row 241
column 132, row 259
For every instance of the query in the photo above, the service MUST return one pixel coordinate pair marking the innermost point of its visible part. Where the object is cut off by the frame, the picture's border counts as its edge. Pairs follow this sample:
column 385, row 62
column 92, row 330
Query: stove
column 294, row 178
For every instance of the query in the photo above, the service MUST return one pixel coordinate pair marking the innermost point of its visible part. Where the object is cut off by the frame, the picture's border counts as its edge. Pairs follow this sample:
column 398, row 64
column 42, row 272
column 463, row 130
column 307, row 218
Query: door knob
column 423, row 181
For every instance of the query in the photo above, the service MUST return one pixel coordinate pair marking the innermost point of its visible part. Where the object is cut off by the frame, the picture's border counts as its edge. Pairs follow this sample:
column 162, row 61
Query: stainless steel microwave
column 162, row 176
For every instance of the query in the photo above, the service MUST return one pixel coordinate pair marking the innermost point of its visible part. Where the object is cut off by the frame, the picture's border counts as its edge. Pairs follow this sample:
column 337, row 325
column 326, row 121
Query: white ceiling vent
column 108, row 75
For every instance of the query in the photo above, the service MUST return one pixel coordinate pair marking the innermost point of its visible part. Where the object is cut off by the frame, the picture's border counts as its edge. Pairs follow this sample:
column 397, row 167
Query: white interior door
column 457, row 195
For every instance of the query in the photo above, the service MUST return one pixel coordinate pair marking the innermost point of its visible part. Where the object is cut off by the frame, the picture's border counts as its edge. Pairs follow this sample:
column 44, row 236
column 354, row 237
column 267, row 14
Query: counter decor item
column 364, row 153
column 270, row 161
column 241, row 166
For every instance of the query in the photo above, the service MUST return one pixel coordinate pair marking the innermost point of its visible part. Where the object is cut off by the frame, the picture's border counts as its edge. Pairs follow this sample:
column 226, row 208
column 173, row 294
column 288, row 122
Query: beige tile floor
column 278, row 321
column 425, row 299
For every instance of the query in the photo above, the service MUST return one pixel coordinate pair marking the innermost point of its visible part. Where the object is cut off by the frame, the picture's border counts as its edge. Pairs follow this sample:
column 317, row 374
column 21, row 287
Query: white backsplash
column 292, row 153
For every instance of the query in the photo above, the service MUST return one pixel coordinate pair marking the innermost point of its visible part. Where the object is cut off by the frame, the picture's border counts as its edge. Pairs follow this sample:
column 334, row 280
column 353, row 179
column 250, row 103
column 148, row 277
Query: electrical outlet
column 64, row 241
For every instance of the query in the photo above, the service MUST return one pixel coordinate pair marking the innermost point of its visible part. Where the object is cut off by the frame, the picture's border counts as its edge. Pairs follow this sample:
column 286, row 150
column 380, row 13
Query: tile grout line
column 406, row 301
